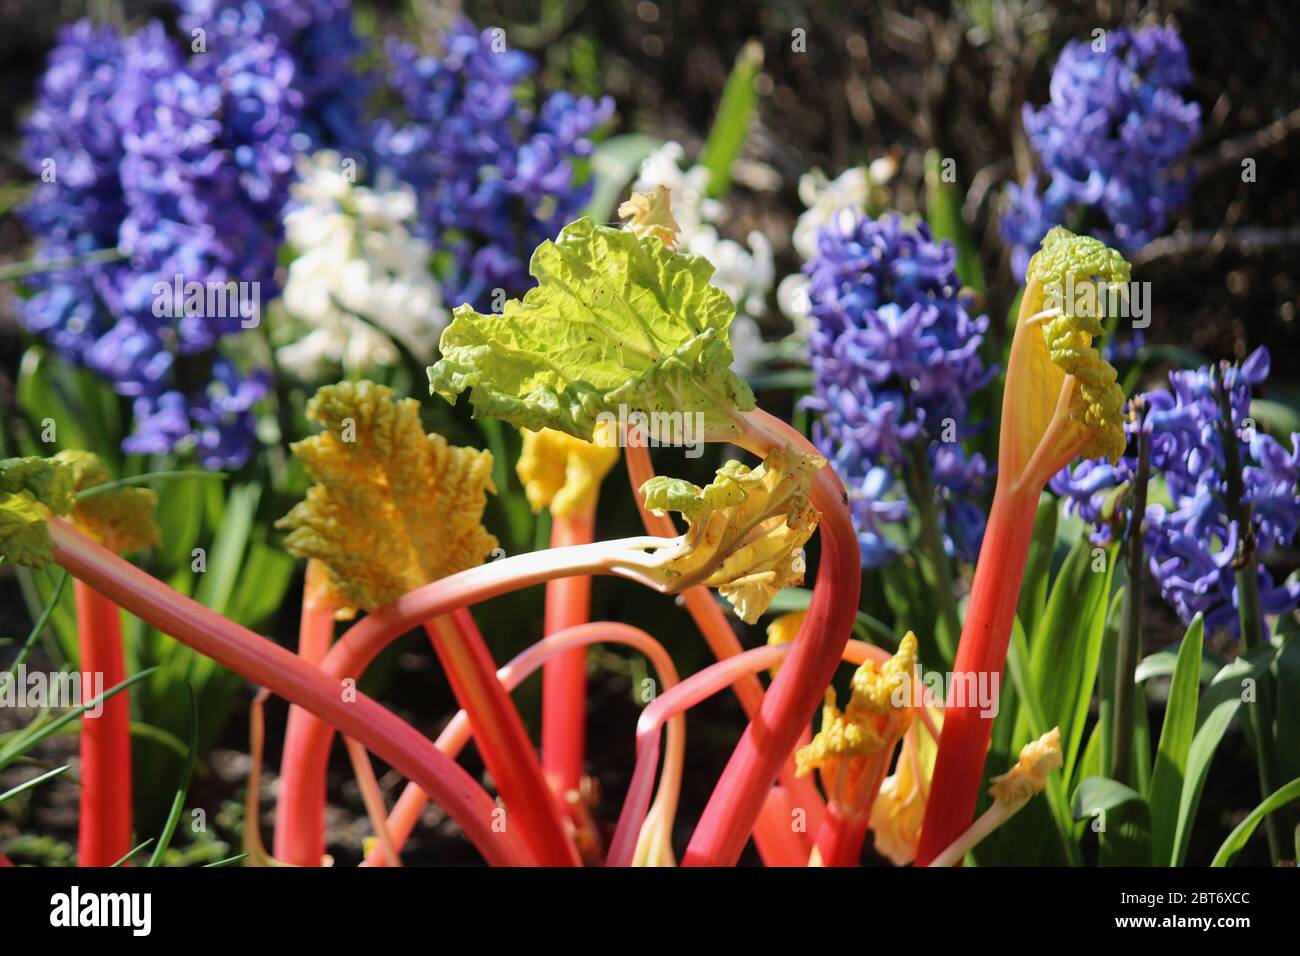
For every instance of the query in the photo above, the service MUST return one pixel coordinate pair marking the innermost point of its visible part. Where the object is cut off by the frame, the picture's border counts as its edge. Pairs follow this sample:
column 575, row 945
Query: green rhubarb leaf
column 31, row 491
column 615, row 322
column 747, row 529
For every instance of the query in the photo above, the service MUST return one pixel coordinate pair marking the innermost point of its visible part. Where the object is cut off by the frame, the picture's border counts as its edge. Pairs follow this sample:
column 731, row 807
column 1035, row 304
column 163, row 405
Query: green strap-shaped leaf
column 1219, row 704
column 616, row 325
column 1238, row 837
column 1066, row 647
column 1120, row 817
column 1175, row 742
column 731, row 125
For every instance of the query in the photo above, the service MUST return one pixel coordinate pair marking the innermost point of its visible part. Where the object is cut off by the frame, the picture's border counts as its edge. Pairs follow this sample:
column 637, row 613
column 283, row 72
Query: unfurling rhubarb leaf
column 615, row 324
column 854, row 747
column 392, row 508
column 31, row 491
column 122, row 519
column 564, row 473
column 878, row 714
column 651, row 214
column 899, row 809
column 1029, row 775
column 1062, row 395
column 747, row 529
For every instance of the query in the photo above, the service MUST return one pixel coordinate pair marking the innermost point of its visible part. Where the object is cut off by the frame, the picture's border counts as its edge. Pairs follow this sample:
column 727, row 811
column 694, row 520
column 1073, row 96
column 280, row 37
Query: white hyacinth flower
column 360, row 282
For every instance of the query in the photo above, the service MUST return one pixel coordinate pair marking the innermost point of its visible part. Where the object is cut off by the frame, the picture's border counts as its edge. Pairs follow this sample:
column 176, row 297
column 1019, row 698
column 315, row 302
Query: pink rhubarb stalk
column 698, row 687
column 564, row 678
column 104, row 815
column 795, row 693
column 300, row 808
column 709, row 617
column 501, row 738
column 964, row 740
column 292, row 678
column 456, row 734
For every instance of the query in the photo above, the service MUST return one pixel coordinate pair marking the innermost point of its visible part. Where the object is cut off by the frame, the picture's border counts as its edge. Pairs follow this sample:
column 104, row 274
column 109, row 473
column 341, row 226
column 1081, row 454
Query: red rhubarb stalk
column 564, row 677
column 104, row 816
column 300, row 808
column 501, row 738
column 796, row 692
column 801, row 792
column 457, row 732
column 1060, row 400
column 966, row 732
column 287, row 675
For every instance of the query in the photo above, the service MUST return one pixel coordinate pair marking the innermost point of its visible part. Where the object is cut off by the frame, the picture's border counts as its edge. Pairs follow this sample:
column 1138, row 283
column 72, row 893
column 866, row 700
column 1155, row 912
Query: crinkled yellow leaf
column 31, row 491
column 121, row 520
column 392, row 508
column 564, row 473
column 747, row 529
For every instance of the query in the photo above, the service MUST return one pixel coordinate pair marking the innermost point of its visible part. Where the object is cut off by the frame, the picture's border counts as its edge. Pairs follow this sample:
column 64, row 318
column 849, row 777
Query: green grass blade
column 132, row 852
column 37, row 627
column 178, row 803
column 27, row 741
column 943, row 202
column 1066, row 650
column 32, row 783
column 1219, row 704
column 145, row 479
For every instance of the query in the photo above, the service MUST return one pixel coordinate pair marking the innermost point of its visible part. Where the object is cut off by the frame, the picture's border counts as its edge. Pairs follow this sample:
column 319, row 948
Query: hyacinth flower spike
column 1061, row 401
column 853, row 751
column 564, row 473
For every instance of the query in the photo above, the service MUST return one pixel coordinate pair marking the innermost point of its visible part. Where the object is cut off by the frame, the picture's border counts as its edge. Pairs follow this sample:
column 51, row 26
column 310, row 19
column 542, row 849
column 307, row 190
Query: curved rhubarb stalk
column 104, row 815
column 292, row 678
column 795, row 693
column 457, row 732
column 698, row 687
column 353, row 652
column 800, row 792
column 300, row 807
